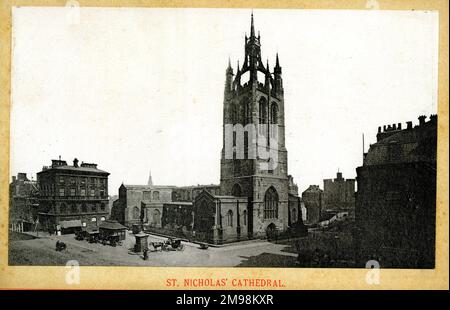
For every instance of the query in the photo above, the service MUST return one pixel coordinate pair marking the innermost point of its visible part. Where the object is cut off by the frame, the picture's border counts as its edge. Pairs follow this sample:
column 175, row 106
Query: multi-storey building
column 338, row 194
column 72, row 196
column 23, row 202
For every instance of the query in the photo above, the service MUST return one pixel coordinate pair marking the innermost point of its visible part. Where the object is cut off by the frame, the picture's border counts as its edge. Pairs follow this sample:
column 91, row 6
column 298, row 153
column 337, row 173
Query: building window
column 274, row 113
column 146, row 195
column 72, row 192
column 262, row 111
column 230, row 218
column 92, row 192
column 103, row 207
column 83, row 181
column 156, row 218
column 245, row 104
column 61, row 179
column 63, row 208
column 236, row 191
column 72, row 180
column 61, row 192
column 102, row 193
column 294, row 215
column 94, row 208
column 136, row 213
column 83, row 192
column 155, row 196
column 84, row 208
column 73, row 208
column 270, row 164
column 102, row 219
column 271, row 204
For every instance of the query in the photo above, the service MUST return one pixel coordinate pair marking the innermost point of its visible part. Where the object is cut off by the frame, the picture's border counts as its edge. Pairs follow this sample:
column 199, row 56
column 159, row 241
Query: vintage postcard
column 224, row 145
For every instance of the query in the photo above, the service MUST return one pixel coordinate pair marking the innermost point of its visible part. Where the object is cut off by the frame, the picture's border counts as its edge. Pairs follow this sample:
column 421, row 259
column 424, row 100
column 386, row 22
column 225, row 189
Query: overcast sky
column 135, row 90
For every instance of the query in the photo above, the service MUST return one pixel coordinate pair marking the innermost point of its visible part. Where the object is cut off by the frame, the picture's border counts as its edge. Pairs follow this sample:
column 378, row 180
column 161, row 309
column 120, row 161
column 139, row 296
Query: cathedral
column 256, row 197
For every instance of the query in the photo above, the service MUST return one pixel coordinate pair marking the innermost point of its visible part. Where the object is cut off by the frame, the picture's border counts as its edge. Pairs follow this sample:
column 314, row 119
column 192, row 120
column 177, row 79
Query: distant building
column 294, row 203
column 111, row 200
column 72, row 196
column 144, row 203
column 396, row 198
column 23, row 202
column 338, row 194
column 313, row 200
column 127, row 209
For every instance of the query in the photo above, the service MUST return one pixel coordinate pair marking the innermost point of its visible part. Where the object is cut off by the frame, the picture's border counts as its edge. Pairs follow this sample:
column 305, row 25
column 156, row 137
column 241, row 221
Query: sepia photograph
column 224, row 137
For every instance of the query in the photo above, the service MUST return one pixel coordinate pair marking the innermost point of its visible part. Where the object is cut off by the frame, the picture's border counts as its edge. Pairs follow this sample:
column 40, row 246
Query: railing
column 74, row 197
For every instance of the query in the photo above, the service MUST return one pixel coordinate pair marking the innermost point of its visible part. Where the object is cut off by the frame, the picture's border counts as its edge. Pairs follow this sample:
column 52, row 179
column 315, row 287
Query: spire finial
column 252, row 28
column 278, row 61
column 229, row 62
column 238, row 65
column 150, row 180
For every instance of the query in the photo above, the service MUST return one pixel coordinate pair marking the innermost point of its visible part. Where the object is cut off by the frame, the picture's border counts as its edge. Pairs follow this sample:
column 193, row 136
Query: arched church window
column 244, row 217
column 230, row 218
column 271, row 203
column 274, row 114
column 84, row 208
column 247, row 110
column 262, row 110
column 155, row 196
column 63, row 208
column 236, row 191
column 156, row 217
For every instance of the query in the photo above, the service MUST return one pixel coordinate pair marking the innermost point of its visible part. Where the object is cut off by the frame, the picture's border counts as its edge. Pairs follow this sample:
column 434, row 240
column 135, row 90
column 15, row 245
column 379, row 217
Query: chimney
column 75, row 163
column 409, row 125
column 379, row 129
column 394, row 126
column 384, row 128
column 433, row 118
column 399, row 126
column 422, row 119
column 14, row 178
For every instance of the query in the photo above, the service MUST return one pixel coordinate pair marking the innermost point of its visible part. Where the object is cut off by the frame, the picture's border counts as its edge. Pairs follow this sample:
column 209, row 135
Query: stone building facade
column 396, row 197
column 72, row 196
column 338, row 194
column 144, row 204
column 23, row 202
column 140, row 203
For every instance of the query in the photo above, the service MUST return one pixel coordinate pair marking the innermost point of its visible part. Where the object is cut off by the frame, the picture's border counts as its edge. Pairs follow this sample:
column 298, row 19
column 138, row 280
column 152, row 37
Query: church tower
column 254, row 156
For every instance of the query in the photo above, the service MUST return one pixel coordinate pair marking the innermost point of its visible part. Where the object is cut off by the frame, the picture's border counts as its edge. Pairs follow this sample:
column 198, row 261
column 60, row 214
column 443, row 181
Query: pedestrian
column 145, row 254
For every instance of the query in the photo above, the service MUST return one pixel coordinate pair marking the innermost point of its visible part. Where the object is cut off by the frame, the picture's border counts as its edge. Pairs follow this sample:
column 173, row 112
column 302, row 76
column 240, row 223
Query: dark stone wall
column 396, row 214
